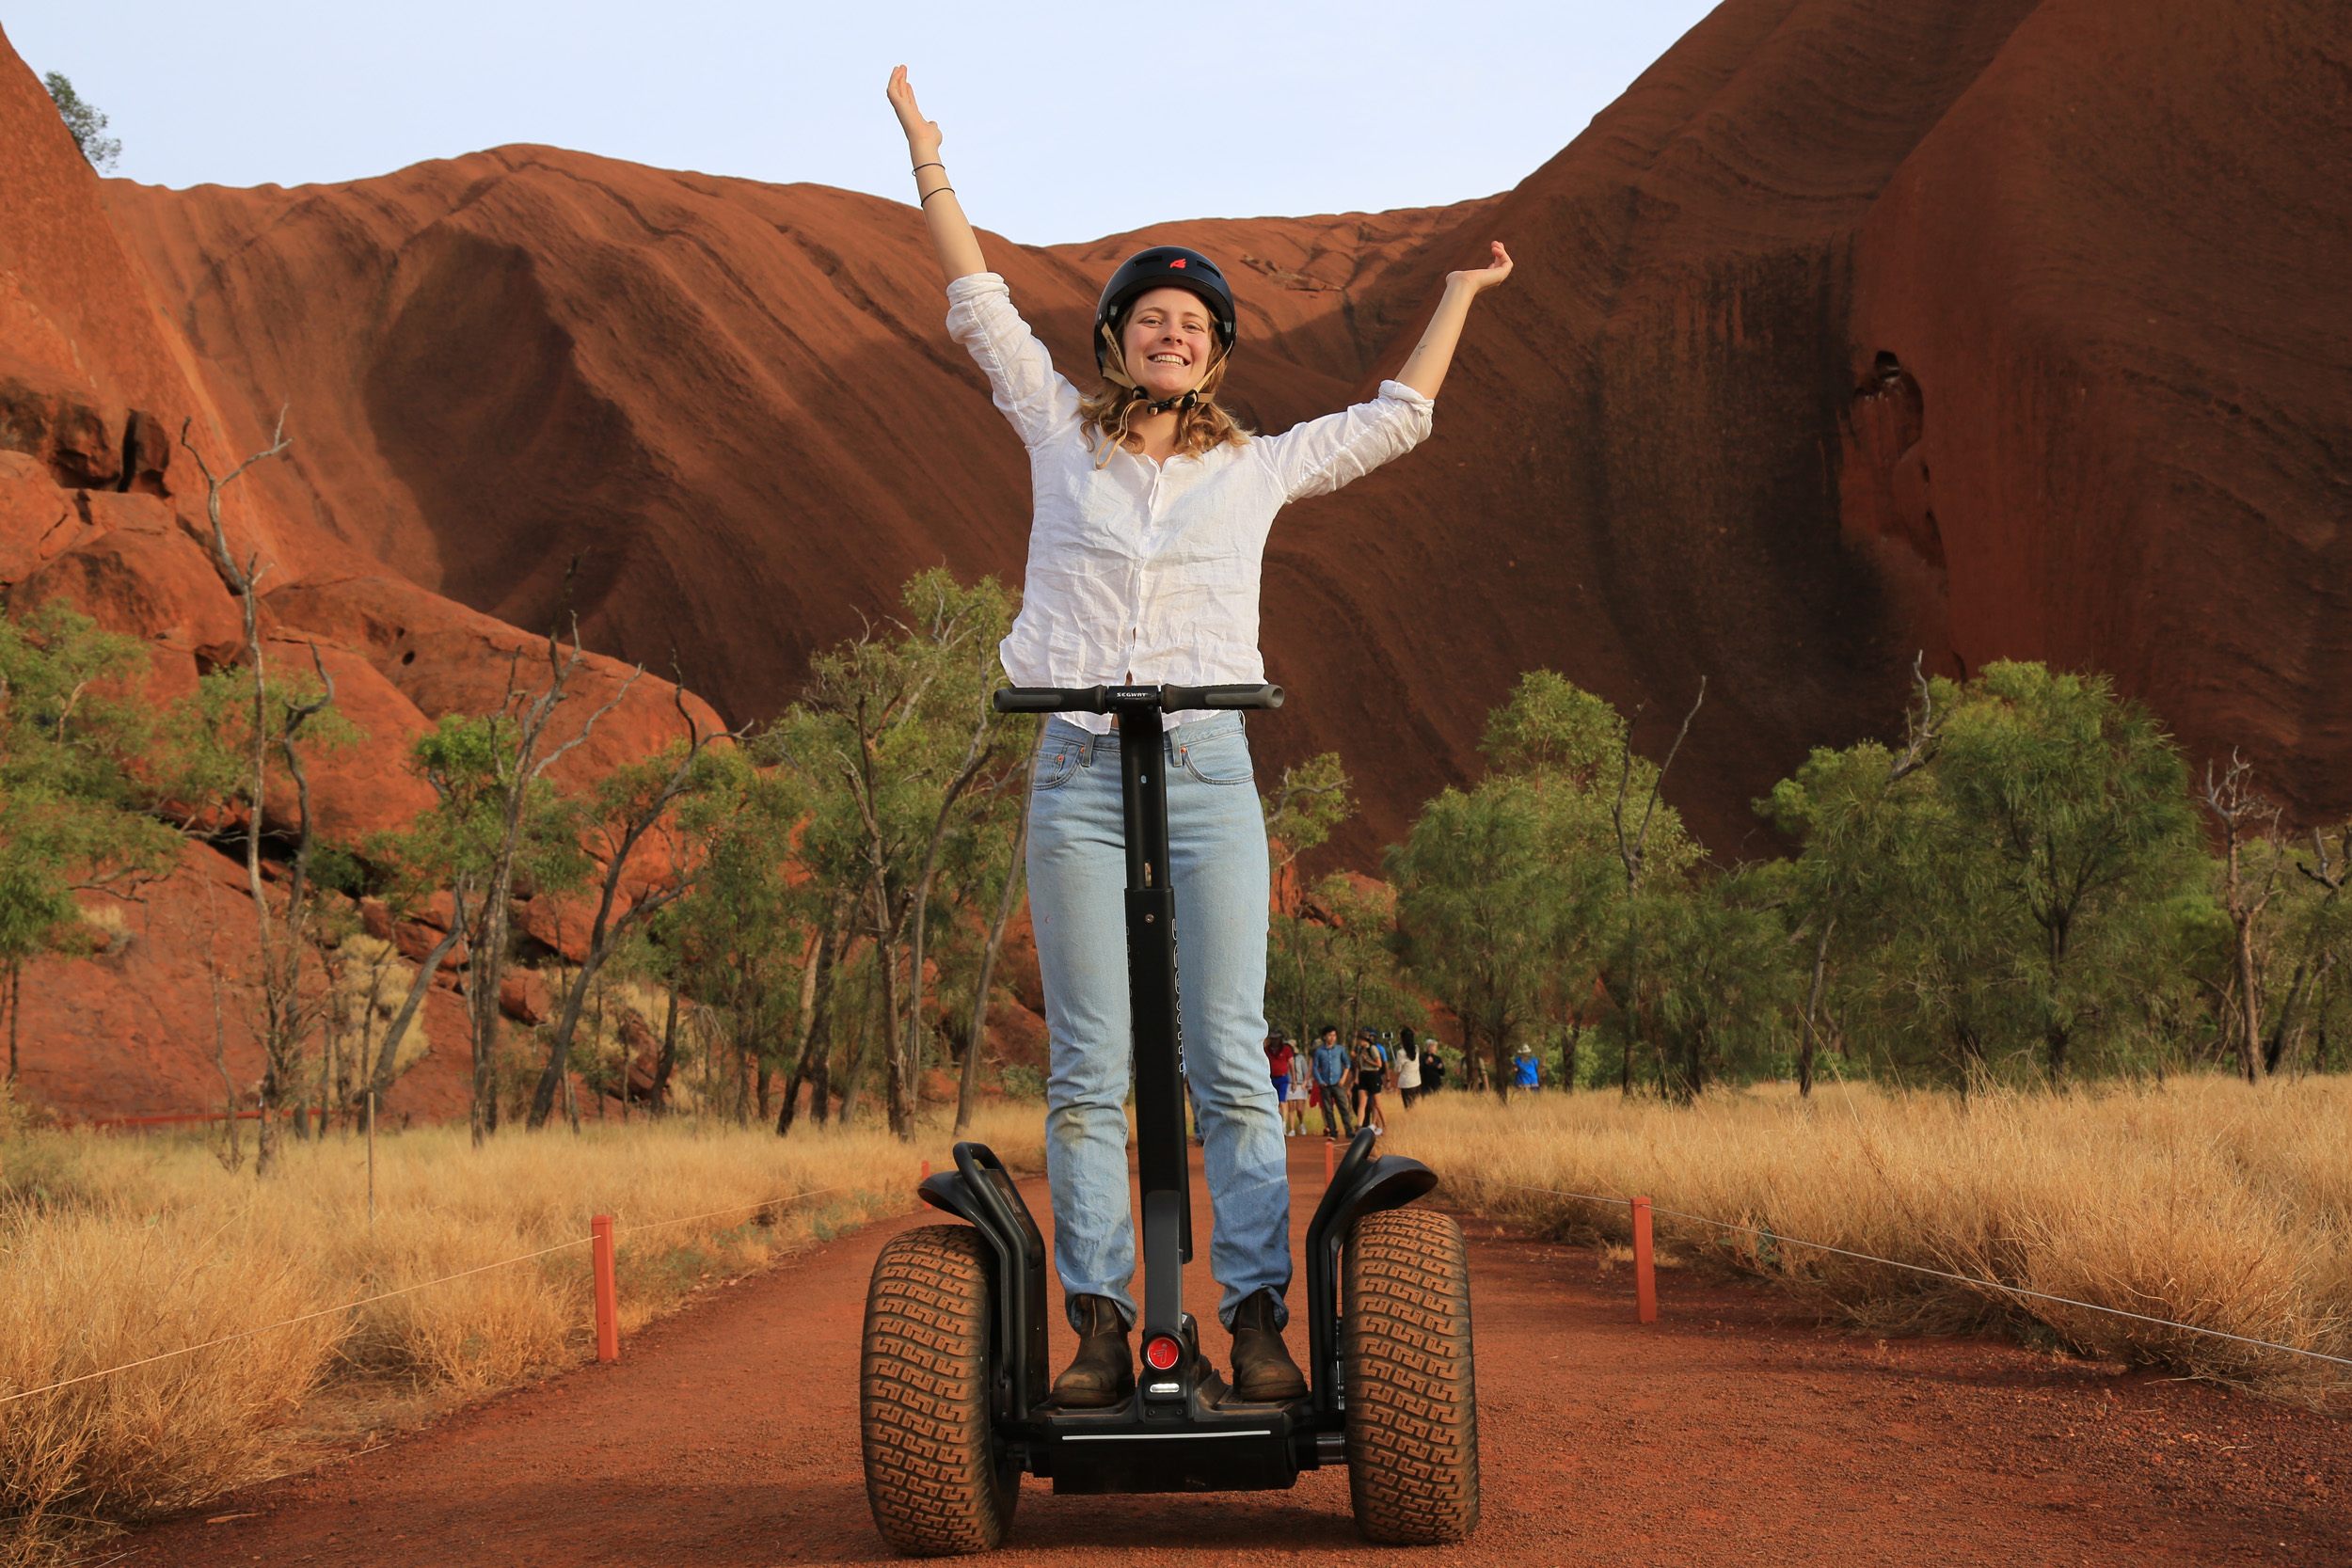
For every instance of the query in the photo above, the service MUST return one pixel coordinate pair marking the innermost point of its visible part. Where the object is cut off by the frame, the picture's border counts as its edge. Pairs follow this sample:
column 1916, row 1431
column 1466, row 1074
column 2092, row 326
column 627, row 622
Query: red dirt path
column 727, row 1434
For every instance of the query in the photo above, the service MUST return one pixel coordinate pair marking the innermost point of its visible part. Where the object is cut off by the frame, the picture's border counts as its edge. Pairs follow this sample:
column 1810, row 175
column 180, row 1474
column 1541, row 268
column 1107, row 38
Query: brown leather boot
column 1263, row 1373
column 1104, row 1371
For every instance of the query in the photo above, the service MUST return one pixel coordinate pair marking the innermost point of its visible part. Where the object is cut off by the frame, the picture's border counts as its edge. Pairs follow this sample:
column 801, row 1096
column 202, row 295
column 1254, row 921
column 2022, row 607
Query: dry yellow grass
column 116, row 1248
column 2203, row 1202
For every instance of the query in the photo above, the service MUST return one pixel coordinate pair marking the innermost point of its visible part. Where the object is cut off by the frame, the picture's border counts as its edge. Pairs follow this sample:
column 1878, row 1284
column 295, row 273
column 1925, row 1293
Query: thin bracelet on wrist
column 928, row 195
column 920, row 167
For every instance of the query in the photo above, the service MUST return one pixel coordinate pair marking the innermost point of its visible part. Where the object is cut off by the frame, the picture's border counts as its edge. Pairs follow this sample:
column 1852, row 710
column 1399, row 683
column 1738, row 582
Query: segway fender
column 981, row 1192
column 946, row 1190
column 1365, row 1183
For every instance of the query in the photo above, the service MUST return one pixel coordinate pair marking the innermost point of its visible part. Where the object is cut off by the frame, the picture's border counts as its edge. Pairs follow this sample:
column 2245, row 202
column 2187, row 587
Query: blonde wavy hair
column 1105, row 413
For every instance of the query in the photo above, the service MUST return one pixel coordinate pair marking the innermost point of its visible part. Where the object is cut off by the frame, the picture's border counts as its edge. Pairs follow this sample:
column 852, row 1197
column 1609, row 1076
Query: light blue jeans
column 1077, row 869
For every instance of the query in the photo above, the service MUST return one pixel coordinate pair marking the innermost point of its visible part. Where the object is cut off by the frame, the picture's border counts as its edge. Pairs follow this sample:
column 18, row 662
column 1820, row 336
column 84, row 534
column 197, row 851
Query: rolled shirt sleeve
column 1317, row 457
column 1028, row 391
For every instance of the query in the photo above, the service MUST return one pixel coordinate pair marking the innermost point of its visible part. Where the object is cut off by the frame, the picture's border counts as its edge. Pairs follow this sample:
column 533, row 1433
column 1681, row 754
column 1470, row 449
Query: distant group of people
column 1346, row 1082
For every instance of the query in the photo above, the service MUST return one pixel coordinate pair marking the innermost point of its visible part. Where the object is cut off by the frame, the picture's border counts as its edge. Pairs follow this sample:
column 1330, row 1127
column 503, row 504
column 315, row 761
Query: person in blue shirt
column 1526, row 1071
column 1333, row 1072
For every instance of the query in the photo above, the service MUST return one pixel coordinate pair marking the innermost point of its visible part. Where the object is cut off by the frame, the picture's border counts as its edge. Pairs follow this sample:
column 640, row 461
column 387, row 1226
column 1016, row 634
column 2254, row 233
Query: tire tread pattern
column 931, row 1472
column 1412, row 1403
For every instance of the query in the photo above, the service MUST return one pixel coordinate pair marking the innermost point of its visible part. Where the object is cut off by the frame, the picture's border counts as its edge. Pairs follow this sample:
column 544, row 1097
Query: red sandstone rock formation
column 100, row 506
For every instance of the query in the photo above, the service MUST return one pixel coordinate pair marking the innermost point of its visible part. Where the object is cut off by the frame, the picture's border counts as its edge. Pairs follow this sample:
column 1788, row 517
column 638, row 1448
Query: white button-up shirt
column 1148, row 572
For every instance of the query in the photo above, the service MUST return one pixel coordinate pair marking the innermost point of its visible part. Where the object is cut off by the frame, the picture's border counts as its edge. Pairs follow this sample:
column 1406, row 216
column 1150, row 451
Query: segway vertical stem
column 1160, row 1162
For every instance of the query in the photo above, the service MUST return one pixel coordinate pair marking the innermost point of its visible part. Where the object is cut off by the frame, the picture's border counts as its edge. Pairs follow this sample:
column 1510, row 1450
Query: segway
column 954, row 1382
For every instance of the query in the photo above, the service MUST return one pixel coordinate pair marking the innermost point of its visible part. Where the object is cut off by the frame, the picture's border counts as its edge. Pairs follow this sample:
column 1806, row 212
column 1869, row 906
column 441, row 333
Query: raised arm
column 1424, row 371
column 959, row 249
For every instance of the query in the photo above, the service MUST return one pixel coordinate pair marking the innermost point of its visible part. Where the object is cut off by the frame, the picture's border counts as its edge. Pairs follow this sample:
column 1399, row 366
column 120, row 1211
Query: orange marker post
column 1645, row 1272
column 926, row 1174
column 608, row 1293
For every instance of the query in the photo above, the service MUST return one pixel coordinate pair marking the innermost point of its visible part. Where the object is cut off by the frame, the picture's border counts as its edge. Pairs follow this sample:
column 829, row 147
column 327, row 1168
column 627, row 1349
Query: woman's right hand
column 922, row 136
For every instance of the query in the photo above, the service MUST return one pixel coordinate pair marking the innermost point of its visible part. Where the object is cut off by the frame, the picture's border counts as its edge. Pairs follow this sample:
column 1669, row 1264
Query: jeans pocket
column 1056, row 762
column 1219, row 759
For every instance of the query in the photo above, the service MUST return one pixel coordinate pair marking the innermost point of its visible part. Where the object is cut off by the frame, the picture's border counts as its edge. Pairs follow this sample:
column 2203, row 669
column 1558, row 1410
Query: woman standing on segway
column 1152, row 514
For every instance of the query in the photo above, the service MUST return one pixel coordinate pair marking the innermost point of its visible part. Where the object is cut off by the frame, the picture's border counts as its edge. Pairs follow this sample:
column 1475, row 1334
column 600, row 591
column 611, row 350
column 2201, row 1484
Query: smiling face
column 1169, row 342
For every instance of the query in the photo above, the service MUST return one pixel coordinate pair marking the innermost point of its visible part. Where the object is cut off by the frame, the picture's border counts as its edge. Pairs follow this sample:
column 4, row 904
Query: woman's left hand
column 1485, row 277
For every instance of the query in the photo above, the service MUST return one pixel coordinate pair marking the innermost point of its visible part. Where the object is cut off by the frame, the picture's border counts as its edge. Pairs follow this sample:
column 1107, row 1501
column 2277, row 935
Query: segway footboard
column 1246, row 1448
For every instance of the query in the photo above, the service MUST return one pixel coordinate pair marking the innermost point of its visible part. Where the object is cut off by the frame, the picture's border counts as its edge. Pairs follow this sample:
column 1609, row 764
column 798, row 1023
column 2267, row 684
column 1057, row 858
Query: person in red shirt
column 1281, row 1058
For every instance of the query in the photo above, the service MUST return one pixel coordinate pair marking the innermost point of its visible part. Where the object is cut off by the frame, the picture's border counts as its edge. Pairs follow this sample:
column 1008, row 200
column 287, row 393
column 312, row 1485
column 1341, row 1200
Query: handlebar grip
column 1177, row 698
column 1052, row 699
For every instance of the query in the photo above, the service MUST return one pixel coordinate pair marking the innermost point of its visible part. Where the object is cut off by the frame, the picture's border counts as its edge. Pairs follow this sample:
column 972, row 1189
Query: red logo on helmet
column 1178, row 262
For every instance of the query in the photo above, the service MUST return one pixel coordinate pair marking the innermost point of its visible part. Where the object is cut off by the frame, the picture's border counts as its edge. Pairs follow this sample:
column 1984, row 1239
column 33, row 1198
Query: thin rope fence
column 410, row 1290
column 1779, row 1239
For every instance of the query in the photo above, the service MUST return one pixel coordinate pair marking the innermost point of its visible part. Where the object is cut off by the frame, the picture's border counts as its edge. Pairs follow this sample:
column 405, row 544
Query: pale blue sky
column 1063, row 121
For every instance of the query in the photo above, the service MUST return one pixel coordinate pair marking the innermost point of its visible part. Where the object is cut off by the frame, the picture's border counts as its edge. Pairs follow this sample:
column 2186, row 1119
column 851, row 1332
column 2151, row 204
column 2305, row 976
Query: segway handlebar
column 1110, row 699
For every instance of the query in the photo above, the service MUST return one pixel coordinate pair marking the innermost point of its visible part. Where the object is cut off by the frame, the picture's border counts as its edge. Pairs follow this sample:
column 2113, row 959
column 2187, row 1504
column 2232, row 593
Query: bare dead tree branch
column 286, row 1018
column 1925, row 733
column 1632, row 851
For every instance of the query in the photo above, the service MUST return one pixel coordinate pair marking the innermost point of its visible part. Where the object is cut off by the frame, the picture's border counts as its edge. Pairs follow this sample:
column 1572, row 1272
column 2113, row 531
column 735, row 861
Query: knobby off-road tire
column 1412, row 1408
column 934, row 1477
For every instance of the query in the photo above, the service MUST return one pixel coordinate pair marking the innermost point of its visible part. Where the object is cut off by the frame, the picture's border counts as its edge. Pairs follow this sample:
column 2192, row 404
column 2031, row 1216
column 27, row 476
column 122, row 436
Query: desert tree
column 1364, row 981
column 489, row 773
column 738, row 938
column 2019, row 896
column 2248, row 825
column 821, row 964
column 636, row 808
column 415, row 865
column 1726, row 981
column 1852, row 809
column 1604, row 860
column 1524, row 894
column 1307, row 804
column 72, row 735
column 82, row 118
column 896, row 730
column 282, row 717
column 1473, row 911
column 2319, row 926
column 2074, row 805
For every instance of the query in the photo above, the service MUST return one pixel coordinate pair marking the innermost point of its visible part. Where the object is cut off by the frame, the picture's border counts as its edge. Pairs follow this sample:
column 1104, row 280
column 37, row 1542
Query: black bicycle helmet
column 1165, row 266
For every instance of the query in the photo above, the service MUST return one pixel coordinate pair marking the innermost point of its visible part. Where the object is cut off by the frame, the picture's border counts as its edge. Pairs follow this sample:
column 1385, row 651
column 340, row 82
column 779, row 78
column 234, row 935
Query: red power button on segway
column 1161, row 1352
